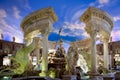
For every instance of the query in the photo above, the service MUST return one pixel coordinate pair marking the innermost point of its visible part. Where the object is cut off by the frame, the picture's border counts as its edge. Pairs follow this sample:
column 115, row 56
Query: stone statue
column 72, row 57
column 2, row 37
column 60, row 50
column 21, row 59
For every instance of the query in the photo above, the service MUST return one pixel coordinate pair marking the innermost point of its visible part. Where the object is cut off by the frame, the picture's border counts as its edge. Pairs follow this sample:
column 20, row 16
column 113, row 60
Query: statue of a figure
column 72, row 57
column 60, row 51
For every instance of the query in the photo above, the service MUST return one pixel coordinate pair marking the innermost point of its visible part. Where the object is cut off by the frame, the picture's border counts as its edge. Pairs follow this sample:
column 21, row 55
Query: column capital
column 93, row 33
column 105, row 40
column 92, row 30
column 45, row 32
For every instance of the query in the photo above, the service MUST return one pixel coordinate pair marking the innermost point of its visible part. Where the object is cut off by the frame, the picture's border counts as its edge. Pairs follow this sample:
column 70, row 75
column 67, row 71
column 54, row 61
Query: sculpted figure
column 21, row 59
column 72, row 57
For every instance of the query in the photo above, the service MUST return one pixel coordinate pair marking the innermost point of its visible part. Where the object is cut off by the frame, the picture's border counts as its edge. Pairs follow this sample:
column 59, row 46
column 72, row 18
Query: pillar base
column 93, row 75
column 69, row 77
column 43, row 74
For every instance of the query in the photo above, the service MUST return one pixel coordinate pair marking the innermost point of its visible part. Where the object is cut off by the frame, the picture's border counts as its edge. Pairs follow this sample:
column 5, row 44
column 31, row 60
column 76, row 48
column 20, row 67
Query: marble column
column 106, row 54
column 110, row 61
column 93, row 53
column 37, row 49
column 44, row 55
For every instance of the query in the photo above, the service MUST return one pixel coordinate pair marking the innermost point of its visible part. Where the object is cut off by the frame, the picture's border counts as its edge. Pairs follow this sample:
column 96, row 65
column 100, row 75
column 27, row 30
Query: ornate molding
column 104, row 39
column 39, row 15
column 97, row 22
column 92, row 12
column 38, row 22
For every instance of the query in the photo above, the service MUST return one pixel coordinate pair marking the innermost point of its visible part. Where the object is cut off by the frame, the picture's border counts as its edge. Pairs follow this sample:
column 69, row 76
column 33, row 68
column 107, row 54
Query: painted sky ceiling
column 68, row 11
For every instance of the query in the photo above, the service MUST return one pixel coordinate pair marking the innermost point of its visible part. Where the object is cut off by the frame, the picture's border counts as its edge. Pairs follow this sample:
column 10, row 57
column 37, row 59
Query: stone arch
column 100, row 23
column 39, row 22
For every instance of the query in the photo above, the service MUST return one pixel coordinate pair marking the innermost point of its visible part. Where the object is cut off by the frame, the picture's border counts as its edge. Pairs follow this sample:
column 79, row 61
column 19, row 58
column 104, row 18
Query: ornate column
column 101, row 21
column 37, row 49
column 106, row 54
column 44, row 55
column 93, row 52
column 110, row 61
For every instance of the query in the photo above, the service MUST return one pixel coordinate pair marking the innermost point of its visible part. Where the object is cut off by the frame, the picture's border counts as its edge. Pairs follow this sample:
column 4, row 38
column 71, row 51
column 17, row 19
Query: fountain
column 40, row 23
column 76, row 66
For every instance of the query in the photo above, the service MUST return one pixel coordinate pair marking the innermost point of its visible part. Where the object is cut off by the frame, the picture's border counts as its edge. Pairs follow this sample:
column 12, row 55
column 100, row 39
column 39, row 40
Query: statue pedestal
column 43, row 74
column 108, row 78
column 93, row 75
column 69, row 77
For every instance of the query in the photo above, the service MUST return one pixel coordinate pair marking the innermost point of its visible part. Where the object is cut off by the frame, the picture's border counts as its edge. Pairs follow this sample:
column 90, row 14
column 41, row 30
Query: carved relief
column 38, row 15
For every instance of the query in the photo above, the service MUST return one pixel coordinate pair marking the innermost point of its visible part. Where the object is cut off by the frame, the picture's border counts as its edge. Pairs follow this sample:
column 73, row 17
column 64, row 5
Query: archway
column 39, row 22
column 99, row 23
